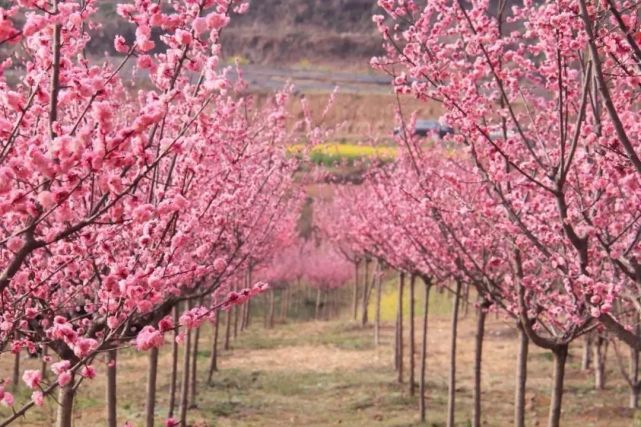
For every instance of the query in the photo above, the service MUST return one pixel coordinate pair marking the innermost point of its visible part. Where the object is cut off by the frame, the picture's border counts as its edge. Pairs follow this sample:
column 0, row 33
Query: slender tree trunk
column 236, row 313
column 194, row 371
column 43, row 364
column 173, row 381
column 377, row 325
column 213, row 361
column 284, row 303
column 272, row 309
column 112, row 356
column 355, row 294
column 635, row 390
column 227, row 329
column 244, row 308
column 15, row 378
column 451, row 400
column 65, row 408
column 184, row 394
column 600, row 349
column 635, row 387
column 248, row 304
column 422, row 386
column 325, row 305
column 521, row 379
column 396, row 342
column 478, row 353
column 586, row 357
column 243, row 316
column 467, row 300
column 152, row 375
column 560, row 357
column 401, row 286
column 247, row 318
column 364, row 315
column 412, row 385
column 318, row 304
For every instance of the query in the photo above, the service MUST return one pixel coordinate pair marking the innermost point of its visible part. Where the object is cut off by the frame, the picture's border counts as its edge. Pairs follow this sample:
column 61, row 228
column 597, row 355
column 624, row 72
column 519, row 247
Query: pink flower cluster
column 148, row 338
column 242, row 296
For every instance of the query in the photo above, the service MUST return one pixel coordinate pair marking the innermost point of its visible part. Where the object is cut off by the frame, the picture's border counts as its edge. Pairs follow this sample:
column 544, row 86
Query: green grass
column 329, row 373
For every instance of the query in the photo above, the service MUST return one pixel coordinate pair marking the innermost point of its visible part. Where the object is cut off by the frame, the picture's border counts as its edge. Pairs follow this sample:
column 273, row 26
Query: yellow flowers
column 330, row 153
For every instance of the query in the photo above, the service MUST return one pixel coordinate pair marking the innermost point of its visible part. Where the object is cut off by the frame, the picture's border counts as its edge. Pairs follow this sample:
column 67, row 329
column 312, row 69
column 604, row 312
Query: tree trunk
column 236, row 313
column 213, row 361
column 377, row 325
column 247, row 316
column 412, row 385
column 355, row 294
column 326, row 305
column 422, row 388
column 635, row 390
column 635, row 387
column 586, row 357
column 243, row 316
column 451, row 399
column 318, row 304
column 364, row 315
column 478, row 353
column 112, row 356
column 152, row 374
column 194, row 371
column 521, row 379
column 174, row 364
column 248, row 304
column 466, row 300
column 15, row 378
column 65, row 400
column 560, row 357
column 43, row 364
column 184, row 395
column 401, row 286
column 227, row 329
column 600, row 349
column 284, row 303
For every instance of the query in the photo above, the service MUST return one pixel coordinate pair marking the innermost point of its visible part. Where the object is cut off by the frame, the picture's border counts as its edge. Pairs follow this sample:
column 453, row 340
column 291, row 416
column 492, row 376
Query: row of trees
column 533, row 200
column 129, row 187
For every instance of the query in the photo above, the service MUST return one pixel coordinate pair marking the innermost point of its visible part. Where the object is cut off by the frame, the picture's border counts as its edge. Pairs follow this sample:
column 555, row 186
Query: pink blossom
column 32, row 378
column 88, row 371
column 46, row 199
column 220, row 264
column 60, row 367
column 166, row 324
column 14, row 244
column 37, row 397
column 84, row 346
column 183, row 37
column 144, row 62
column 64, row 378
column 199, row 25
column 194, row 317
column 14, row 100
column 216, row 21
column 149, row 337
column 7, row 399
column 33, row 24
column 120, row 45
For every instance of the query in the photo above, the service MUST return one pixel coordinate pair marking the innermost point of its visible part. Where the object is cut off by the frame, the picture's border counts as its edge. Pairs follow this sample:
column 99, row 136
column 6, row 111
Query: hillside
column 314, row 31
column 283, row 32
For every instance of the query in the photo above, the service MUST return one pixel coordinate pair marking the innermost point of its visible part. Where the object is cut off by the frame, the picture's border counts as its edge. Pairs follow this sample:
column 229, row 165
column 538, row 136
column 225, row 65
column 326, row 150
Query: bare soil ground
column 329, row 373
